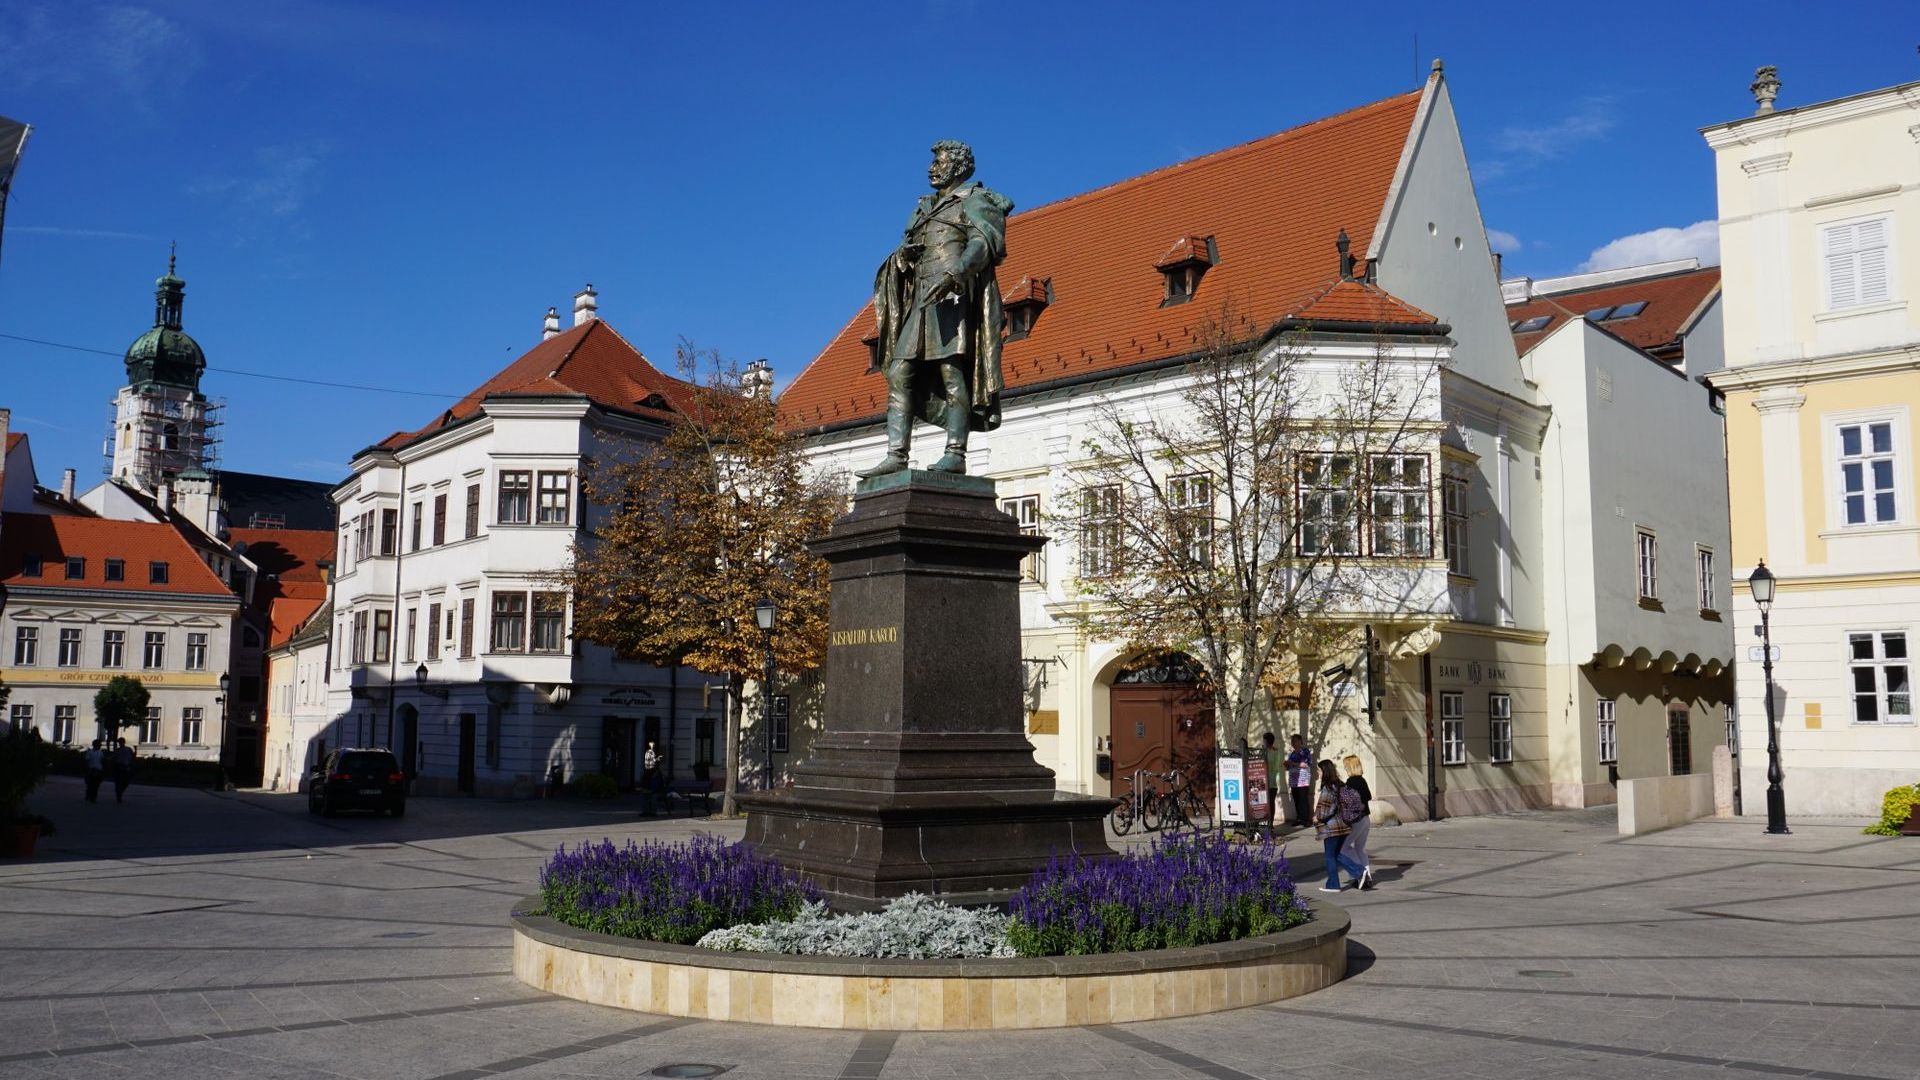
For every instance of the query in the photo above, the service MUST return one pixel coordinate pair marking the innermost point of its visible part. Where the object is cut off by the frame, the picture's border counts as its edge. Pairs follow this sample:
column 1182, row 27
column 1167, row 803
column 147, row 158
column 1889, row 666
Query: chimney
column 586, row 306
column 166, row 494
column 66, row 485
column 552, row 326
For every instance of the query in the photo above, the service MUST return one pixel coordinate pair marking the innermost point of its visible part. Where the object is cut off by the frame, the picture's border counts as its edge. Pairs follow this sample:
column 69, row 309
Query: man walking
column 95, row 760
column 122, row 770
column 1300, row 780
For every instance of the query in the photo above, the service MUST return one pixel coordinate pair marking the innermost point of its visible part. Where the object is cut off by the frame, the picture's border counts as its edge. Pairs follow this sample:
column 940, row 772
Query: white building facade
column 451, row 638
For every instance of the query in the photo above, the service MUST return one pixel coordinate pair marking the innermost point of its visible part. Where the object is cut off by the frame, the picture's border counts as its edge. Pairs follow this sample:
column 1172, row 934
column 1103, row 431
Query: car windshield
column 366, row 761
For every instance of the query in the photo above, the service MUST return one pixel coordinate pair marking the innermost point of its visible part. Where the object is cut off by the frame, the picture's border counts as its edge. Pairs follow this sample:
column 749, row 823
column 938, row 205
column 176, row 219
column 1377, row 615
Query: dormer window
column 156, row 573
column 1183, row 265
column 872, row 342
column 116, row 570
column 30, row 566
column 1024, row 303
column 76, row 568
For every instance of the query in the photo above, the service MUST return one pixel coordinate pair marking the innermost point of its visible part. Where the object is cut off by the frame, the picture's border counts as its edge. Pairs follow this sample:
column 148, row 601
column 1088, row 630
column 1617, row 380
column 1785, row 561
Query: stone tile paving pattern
column 189, row 934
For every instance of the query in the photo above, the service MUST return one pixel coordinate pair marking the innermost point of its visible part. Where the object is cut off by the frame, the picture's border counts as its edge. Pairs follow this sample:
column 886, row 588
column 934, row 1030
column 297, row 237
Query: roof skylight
column 1618, row 311
column 1528, row 326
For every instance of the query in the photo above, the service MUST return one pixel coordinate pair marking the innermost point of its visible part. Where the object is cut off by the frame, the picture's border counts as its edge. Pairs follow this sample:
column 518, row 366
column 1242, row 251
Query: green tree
column 121, row 703
column 692, row 531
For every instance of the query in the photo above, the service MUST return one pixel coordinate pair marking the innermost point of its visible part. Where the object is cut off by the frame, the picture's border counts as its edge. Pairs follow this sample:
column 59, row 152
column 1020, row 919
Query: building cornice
column 1495, row 407
column 115, row 597
column 1851, row 365
column 1498, row 633
column 1772, row 125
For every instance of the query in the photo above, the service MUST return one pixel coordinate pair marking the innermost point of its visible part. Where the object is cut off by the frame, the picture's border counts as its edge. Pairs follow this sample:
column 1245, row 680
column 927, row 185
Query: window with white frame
column 1025, row 509
column 150, row 726
column 193, row 726
column 1453, row 504
column 1855, row 254
column 196, row 652
column 65, row 719
column 1453, row 728
column 1867, row 466
column 1703, row 567
column 1609, row 733
column 359, row 637
column 155, row 656
column 1733, row 731
column 21, row 716
column 1101, row 532
column 413, row 631
column 113, row 648
column 1882, row 677
column 1647, row 560
column 382, row 635
column 1329, row 508
column 1500, row 727
column 70, row 646
column 509, row 622
column 1190, row 503
column 26, row 646
column 1400, row 505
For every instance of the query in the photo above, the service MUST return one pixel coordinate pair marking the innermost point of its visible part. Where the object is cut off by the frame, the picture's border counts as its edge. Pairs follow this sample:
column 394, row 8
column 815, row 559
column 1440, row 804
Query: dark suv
column 358, row 780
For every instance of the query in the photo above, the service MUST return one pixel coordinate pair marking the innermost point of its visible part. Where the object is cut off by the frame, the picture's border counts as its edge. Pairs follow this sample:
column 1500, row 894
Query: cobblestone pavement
column 199, row 935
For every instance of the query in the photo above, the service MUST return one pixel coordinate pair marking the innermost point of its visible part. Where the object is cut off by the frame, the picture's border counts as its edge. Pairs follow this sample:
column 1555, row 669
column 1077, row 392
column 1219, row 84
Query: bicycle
column 1127, row 811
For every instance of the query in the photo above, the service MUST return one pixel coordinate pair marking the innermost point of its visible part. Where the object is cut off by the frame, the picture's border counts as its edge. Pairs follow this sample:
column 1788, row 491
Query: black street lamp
column 1760, row 584
column 226, row 730
column 763, row 615
column 420, row 684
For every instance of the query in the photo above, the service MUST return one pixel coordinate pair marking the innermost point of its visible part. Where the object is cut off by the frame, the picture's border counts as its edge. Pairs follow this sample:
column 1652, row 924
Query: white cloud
column 277, row 185
column 87, row 47
column 1521, row 146
column 83, row 234
column 1700, row 240
column 1503, row 241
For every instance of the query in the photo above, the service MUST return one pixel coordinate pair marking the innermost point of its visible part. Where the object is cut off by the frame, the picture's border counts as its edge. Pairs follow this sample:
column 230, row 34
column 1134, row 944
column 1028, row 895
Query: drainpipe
column 393, row 631
column 1426, row 693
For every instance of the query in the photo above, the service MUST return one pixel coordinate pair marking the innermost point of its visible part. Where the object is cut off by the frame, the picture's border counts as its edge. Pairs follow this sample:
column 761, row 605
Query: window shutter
column 1843, row 287
column 1870, row 260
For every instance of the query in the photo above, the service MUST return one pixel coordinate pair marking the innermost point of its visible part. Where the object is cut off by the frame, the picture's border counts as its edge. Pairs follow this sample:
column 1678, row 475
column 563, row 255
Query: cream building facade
column 1820, row 236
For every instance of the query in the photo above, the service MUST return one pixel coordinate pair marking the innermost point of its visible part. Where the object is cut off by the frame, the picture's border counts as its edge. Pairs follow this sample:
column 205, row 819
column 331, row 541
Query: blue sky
column 394, row 197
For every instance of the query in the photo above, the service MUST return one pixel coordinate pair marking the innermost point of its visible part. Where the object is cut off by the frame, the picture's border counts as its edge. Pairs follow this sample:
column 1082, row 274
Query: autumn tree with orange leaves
column 690, row 532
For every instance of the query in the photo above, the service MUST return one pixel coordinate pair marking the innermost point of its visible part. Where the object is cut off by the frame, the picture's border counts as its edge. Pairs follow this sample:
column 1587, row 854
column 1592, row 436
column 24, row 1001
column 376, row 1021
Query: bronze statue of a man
column 938, row 310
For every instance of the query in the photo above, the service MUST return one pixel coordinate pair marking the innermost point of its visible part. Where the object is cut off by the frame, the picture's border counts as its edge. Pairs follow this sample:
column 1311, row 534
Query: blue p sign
column 1230, row 790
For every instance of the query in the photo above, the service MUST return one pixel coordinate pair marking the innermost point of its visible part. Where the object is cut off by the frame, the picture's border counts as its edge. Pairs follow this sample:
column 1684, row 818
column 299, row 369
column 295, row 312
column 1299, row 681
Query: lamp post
column 1760, row 584
column 763, row 615
column 226, row 731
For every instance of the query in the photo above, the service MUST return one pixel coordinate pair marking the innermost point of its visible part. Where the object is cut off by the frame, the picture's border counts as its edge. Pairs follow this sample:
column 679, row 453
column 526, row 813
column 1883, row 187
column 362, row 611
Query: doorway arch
column 1160, row 708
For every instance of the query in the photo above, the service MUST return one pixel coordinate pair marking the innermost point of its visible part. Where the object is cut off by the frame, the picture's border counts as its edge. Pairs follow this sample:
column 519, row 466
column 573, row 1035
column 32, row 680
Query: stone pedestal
column 923, row 778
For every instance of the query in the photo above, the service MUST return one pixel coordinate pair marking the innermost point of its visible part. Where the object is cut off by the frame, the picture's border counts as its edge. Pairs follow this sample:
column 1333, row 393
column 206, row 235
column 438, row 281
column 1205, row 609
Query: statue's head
column 952, row 163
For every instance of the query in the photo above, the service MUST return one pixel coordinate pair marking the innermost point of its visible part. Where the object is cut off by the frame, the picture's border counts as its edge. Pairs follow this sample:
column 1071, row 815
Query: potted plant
column 1899, row 813
column 24, row 761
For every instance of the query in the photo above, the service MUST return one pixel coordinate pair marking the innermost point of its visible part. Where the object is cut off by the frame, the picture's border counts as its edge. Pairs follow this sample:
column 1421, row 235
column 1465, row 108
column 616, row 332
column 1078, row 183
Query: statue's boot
column 954, row 418
column 954, row 461
column 899, row 434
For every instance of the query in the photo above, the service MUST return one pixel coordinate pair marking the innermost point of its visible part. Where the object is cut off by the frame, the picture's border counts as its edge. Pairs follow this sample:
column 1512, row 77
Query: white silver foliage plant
column 913, row 927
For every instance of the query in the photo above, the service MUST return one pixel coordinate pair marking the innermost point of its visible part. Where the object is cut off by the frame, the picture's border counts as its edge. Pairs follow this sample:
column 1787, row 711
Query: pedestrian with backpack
column 1332, row 829
column 1355, row 810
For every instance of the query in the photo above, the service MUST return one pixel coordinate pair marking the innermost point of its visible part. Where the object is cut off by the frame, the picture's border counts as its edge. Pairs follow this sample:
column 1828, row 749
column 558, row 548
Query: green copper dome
column 166, row 355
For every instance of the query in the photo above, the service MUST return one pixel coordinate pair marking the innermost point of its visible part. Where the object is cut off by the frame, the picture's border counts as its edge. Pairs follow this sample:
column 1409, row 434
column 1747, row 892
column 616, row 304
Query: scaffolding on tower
column 166, row 435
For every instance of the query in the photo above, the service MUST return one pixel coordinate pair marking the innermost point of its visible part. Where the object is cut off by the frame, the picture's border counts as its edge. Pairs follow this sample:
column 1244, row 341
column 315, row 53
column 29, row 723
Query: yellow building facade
column 1819, row 212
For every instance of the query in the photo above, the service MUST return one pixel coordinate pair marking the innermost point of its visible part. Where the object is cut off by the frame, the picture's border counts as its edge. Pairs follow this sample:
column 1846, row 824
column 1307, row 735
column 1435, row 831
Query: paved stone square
column 193, row 934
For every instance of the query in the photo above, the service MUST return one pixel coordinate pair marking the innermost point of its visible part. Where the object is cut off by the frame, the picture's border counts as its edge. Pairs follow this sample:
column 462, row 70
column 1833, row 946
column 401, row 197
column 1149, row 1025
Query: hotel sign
column 39, row 676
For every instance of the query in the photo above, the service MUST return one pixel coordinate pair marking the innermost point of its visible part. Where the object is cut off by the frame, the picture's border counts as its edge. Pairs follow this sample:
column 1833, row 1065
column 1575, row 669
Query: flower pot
column 1912, row 827
column 17, row 841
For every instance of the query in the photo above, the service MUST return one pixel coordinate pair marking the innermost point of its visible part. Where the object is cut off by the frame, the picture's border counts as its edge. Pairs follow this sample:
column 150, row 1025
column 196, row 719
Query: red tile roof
column 1273, row 207
column 291, row 585
column 1357, row 303
column 1671, row 300
column 54, row 539
column 286, row 615
column 590, row 359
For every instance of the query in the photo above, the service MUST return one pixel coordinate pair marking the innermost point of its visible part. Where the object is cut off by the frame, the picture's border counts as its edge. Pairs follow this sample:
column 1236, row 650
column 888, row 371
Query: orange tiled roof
column 296, row 585
column 1273, row 207
column 287, row 614
column 54, row 539
column 1355, row 303
column 590, row 359
column 1671, row 301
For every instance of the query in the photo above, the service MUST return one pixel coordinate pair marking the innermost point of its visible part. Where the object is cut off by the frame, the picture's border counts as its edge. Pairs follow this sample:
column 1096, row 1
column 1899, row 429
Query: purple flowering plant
column 673, row 893
column 1188, row 889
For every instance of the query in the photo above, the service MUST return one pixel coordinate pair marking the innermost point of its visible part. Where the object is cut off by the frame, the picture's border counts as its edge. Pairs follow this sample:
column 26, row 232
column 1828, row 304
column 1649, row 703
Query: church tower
column 163, row 427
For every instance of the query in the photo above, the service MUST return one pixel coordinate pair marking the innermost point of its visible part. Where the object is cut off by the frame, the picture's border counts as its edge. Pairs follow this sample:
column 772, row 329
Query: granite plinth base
column 968, row 848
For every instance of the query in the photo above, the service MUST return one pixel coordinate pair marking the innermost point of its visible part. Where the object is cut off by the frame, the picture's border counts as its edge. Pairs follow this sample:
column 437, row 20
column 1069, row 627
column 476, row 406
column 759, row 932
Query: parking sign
column 1233, row 789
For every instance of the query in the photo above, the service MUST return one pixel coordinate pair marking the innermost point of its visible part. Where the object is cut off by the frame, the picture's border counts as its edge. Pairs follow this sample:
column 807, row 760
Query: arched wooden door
column 1162, row 716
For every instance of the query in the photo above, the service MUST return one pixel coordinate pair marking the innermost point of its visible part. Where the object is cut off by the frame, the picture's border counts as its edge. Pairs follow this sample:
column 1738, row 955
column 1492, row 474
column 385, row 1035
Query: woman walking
column 1362, row 827
column 1332, row 830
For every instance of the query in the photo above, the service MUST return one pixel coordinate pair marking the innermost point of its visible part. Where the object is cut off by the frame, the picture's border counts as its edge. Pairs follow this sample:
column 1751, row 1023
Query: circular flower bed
column 1186, row 890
